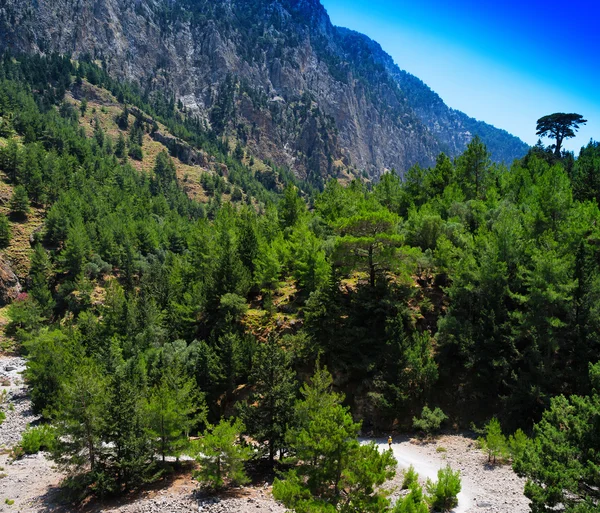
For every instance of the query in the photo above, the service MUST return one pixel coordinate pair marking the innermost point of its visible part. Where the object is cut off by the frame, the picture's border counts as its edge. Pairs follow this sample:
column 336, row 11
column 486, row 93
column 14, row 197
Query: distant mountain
column 452, row 128
column 274, row 75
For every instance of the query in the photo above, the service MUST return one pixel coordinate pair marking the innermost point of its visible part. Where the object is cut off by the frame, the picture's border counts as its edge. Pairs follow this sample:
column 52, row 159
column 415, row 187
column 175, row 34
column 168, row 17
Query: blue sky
column 506, row 62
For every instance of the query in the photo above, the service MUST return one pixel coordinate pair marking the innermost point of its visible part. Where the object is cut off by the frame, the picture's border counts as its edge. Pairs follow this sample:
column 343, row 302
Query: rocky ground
column 187, row 499
column 27, row 484
column 485, row 488
column 13, row 401
column 33, row 482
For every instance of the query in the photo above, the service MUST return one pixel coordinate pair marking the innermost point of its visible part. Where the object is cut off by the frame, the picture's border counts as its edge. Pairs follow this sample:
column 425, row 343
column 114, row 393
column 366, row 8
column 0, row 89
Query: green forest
column 297, row 315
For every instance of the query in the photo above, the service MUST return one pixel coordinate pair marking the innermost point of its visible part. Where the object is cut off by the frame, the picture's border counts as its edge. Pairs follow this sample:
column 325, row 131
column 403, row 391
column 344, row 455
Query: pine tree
column 77, row 248
column 11, row 159
column 472, row 168
column 414, row 502
column 368, row 242
column 222, row 455
column 80, row 419
column 173, row 410
column 333, row 468
column 52, row 359
column 443, row 493
column 164, row 171
column 132, row 456
column 562, row 460
column 40, row 273
column 494, row 442
column 121, row 147
column 269, row 412
column 291, row 207
column 268, row 269
column 19, row 202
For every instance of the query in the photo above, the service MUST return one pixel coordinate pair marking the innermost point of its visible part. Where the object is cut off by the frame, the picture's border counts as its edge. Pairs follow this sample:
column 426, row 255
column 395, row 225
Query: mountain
column 274, row 75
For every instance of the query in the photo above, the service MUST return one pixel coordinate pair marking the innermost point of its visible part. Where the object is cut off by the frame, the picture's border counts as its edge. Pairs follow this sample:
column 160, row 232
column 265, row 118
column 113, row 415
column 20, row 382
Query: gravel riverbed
column 32, row 482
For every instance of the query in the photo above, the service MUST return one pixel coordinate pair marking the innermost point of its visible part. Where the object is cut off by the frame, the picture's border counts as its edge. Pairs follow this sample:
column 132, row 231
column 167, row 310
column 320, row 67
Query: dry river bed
column 485, row 488
column 32, row 482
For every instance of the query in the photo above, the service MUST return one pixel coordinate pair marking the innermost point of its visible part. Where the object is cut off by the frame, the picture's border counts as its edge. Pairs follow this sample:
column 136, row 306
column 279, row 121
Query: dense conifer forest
column 299, row 316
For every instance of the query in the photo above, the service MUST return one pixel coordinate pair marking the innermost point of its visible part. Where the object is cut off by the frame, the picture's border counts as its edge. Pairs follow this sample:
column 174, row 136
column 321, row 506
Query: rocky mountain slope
column 275, row 75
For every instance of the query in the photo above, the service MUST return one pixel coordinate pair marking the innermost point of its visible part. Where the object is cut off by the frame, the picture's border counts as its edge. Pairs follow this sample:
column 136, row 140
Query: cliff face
column 274, row 74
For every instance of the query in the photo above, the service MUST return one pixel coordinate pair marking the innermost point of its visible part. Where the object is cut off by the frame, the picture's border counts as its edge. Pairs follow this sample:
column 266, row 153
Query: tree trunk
column 559, row 141
column 371, row 267
column 219, row 471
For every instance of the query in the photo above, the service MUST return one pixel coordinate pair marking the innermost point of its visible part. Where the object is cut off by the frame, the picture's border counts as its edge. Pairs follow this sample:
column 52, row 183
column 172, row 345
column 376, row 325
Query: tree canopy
column 559, row 126
column 156, row 304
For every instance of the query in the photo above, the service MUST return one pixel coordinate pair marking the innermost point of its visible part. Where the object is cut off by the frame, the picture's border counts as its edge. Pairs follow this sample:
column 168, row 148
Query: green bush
column 5, row 232
column 518, row 444
column 16, row 453
column 222, row 455
column 443, row 494
column 36, row 439
column 19, row 202
column 414, row 502
column 494, row 442
column 410, row 478
column 135, row 152
column 430, row 421
column 2, row 417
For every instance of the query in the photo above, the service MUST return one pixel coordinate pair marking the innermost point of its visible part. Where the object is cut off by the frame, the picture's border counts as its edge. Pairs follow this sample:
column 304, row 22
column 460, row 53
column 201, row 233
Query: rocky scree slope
column 274, row 74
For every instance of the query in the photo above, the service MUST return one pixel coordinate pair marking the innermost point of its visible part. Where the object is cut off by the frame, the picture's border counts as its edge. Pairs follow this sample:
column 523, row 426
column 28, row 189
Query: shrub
column 494, row 442
column 25, row 318
column 237, row 194
column 36, row 439
column 2, row 417
column 135, row 152
column 16, row 453
column 414, row 502
column 5, row 233
column 430, row 421
column 222, row 456
column 411, row 478
column 19, row 202
column 517, row 444
column 443, row 494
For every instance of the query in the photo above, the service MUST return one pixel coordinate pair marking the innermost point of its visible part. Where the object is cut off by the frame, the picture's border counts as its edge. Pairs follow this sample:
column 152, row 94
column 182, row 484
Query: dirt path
column 485, row 488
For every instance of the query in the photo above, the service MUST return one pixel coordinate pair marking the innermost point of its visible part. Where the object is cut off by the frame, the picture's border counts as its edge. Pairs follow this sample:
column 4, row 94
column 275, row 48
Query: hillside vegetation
column 163, row 296
column 273, row 74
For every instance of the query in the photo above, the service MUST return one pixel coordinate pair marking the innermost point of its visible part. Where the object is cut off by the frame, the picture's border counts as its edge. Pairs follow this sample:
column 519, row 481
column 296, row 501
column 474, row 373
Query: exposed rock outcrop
column 181, row 150
column 10, row 287
column 275, row 75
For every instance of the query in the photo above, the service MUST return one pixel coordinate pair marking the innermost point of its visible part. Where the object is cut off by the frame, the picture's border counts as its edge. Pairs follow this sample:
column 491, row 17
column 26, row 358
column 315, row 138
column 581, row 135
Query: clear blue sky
column 506, row 62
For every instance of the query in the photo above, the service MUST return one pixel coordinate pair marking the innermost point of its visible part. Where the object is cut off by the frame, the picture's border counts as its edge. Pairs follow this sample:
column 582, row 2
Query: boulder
column 10, row 287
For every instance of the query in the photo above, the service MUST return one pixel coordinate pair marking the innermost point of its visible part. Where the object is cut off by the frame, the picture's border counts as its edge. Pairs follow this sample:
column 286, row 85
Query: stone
column 10, row 287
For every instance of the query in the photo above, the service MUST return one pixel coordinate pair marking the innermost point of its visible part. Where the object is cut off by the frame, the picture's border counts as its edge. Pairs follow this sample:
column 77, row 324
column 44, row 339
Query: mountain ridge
column 274, row 75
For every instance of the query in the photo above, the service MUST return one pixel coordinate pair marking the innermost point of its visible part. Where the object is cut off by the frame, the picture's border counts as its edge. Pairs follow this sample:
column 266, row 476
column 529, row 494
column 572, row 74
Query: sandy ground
column 33, row 482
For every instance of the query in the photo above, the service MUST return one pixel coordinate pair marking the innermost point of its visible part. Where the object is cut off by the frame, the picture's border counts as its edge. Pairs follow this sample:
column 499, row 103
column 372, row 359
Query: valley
column 240, row 245
column 32, row 482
